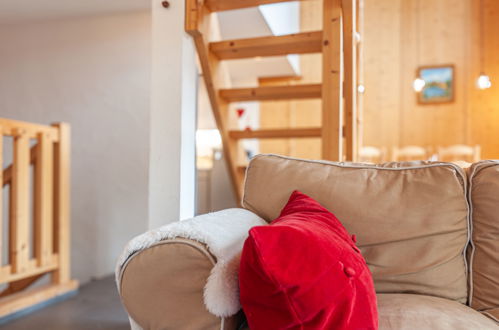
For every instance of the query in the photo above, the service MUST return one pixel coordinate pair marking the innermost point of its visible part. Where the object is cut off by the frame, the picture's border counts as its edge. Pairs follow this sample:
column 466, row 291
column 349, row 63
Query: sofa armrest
column 184, row 275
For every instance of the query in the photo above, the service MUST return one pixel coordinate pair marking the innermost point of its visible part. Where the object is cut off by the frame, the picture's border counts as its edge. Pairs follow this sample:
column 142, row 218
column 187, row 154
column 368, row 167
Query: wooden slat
column 221, row 5
column 25, row 299
column 7, row 276
column 7, row 173
column 19, row 215
column 272, row 93
column 300, row 43
column 20, row 285
column 44, row 170
column 10, row 128
column 276, row 133
column 62, row 203
column 350, row 76
column 332, row 121
column 197, row 20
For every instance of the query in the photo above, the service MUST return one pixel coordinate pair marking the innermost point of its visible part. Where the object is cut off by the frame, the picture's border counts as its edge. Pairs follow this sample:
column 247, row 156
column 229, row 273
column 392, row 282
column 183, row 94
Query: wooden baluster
column 1, row 198
column 332, row 87
column 19, row 215
column 61, row 203
column 350, row 76
column 44, row 169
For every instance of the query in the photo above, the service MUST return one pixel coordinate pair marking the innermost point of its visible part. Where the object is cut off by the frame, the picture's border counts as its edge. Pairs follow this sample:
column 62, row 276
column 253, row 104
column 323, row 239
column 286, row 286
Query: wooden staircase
column 338, row 90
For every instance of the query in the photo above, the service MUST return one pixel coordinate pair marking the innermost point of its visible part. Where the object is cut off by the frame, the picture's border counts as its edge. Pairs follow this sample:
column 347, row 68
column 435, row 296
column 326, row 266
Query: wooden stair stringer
column 199, row 23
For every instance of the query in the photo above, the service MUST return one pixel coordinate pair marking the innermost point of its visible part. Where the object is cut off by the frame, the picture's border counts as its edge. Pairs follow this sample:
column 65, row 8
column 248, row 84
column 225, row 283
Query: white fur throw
column 223, row 233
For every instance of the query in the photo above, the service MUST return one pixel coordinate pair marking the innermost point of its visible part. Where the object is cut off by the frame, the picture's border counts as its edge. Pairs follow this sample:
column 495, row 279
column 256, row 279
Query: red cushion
column 303, row 271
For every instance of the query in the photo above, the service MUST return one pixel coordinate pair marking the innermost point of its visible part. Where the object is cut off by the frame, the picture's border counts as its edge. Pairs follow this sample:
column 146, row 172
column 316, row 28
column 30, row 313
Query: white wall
column 173, row 117
column 94, row 73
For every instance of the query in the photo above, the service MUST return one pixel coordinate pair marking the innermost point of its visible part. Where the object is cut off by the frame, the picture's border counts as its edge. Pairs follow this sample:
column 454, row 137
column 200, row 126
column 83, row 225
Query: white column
column 172, row 117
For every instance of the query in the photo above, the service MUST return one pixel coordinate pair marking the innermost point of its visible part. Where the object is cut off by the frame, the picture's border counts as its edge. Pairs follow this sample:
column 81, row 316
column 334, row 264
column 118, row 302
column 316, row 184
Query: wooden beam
column 350, row 78
column 276, row 133
column 272, row 93
column 19, row 215
column 300, row 43
column 62, row 203
column 44, row 180
column 332, row 91
column 221, row 5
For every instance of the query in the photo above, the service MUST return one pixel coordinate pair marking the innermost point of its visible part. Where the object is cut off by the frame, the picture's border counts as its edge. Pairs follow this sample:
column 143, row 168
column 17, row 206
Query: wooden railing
column 38, row 214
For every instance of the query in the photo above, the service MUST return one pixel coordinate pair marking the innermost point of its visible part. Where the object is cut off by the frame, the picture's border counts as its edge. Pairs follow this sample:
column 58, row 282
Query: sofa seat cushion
column 410, row 219
column 415, row 312
column 305, row 272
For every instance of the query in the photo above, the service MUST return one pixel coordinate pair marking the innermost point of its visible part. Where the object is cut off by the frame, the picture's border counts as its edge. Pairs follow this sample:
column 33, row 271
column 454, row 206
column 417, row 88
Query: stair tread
column 289, row 92
column 277, row 133
column 221, row 5
column 299, row 43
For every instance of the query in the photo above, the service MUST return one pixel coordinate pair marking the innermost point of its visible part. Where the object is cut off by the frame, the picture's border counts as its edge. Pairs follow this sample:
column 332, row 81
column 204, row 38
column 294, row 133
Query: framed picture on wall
column 439, row 84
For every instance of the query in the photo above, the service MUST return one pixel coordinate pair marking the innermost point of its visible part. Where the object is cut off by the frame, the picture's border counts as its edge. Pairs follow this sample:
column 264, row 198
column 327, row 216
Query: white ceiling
column 16, row 11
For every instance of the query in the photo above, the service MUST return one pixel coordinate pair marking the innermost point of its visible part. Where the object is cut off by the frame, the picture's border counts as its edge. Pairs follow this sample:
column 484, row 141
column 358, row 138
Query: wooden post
column 350, row 54
column 19, row 215
column 62, row 203
column 44, row 170
column 332, row 89
column 360, row 75
column 1, row 193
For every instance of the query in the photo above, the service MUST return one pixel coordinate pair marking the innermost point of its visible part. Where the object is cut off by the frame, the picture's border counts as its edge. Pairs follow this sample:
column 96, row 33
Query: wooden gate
column 35, row 210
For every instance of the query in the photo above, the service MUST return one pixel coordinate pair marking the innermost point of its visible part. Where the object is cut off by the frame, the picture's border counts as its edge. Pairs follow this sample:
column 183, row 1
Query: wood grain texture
column 62, row 202
column 299, row 43
column 332, row 86
column 221, row 5
column 31, row 130
column 203, row 27
column 7, row 172
column 272, row 93
column 350, row 78
column 483, row 109
column 296, row 113
column 19, row 215
column 44, row 200
column 276, row 133
column 24, row 299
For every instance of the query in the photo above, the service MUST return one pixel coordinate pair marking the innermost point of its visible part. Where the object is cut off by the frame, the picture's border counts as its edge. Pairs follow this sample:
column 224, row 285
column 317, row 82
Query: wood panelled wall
column 484, row 105
column 448, row 34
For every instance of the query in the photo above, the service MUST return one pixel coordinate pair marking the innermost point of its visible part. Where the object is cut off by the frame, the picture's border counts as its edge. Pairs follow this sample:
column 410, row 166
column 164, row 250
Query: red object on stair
column 304, row 271
column 240, row 112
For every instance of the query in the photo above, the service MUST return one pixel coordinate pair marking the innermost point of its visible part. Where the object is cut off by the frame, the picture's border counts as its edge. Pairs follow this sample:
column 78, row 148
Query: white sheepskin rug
column 224, row 233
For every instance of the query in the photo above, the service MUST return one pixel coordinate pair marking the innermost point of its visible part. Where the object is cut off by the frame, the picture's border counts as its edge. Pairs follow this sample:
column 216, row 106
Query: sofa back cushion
column 411, row 220
column 484, row 252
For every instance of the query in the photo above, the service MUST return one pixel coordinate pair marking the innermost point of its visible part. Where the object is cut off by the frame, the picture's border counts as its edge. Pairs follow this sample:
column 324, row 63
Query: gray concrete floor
column 96, row 306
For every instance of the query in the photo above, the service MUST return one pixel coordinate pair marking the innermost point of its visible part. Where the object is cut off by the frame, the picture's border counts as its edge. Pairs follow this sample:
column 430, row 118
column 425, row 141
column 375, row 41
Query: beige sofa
column 428, row 231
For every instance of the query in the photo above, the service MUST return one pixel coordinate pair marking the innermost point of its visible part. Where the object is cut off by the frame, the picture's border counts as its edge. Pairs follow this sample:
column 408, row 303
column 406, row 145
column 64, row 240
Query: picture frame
column 439, row 84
